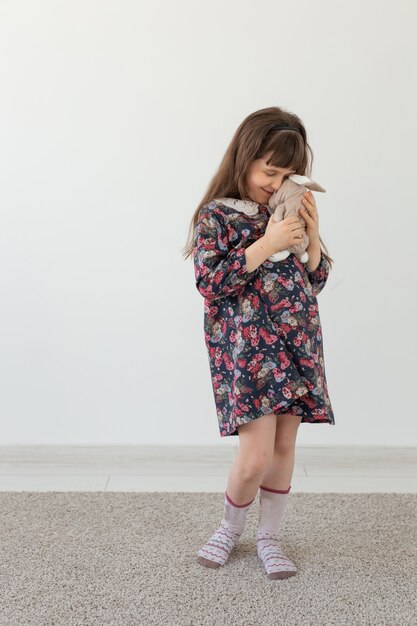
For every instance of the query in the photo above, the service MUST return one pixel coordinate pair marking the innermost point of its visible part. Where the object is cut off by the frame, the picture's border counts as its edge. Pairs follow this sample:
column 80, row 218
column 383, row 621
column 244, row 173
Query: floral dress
column 262, row 328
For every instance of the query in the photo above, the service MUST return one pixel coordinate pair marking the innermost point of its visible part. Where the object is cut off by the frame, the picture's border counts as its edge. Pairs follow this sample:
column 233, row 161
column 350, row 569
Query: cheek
column 262, row 181
column 255, row 181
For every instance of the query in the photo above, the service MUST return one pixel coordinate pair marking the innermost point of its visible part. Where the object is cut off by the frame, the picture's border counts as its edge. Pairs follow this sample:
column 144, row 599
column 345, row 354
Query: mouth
column 269, row 193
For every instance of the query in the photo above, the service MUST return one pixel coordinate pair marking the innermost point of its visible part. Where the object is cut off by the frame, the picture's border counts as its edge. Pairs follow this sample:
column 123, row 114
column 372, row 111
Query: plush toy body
column 286, row 201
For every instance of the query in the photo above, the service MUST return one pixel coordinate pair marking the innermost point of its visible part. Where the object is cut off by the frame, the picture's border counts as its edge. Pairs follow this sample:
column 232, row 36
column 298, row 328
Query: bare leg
column 279, row 471
column 256, row 449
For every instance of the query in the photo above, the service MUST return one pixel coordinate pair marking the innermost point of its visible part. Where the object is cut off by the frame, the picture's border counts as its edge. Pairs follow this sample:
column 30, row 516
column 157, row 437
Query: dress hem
column 287, row 405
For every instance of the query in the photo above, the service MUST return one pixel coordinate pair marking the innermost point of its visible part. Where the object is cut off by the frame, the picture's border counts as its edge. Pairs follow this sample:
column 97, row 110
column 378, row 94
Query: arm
column 220, row 271
column 257, row 253
column 314, row 255
column 318, row 277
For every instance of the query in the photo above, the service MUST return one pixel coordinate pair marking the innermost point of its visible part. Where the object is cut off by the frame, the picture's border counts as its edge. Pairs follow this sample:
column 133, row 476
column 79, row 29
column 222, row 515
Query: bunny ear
column 307, row 182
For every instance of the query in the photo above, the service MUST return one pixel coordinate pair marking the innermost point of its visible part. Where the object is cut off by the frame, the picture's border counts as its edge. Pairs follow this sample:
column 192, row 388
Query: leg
column 274, row 494
column 256, row 445
column 256, row 450
column 278, row 473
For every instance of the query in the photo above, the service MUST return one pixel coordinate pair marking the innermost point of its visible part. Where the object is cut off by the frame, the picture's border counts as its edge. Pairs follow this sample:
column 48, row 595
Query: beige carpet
column 110, row 558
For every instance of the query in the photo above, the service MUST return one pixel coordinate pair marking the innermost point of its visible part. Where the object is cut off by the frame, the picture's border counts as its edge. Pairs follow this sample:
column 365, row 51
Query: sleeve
column 318, row 277
column 219, row 270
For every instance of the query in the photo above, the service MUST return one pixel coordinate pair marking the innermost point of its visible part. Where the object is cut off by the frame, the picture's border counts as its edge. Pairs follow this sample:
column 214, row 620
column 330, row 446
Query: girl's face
column 262, row 179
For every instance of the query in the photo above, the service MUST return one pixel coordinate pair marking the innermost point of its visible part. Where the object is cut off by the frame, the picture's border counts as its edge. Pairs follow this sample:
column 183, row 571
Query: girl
column 262, row 325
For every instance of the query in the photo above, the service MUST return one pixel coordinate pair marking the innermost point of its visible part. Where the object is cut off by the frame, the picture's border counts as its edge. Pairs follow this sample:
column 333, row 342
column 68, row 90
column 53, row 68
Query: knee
column 284, row 446
column 253, row 468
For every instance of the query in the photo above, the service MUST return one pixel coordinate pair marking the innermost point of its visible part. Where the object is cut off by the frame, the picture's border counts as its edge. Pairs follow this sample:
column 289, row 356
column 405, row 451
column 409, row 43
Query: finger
column 310, row 209
column 306, row 215
column 309, row 195
column 307, row 201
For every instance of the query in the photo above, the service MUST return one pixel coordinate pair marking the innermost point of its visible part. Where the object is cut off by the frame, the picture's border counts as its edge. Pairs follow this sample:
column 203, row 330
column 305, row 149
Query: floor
column 199, row 468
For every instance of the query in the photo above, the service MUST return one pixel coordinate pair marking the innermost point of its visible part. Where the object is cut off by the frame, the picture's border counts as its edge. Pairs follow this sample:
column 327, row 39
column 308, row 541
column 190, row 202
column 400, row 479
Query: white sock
column 272, row 507
column 218, row 548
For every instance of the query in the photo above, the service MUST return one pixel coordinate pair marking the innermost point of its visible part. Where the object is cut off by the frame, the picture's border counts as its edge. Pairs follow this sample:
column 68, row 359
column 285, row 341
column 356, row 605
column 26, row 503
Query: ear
column 307, row 182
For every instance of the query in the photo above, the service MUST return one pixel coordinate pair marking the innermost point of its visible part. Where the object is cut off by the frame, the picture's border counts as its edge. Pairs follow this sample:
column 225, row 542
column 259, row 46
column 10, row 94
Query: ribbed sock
column 272, row 507
column 216, row 551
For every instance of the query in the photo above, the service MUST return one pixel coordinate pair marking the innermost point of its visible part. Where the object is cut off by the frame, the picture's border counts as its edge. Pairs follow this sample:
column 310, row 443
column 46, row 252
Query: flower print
column 213, row 310
column 237, row 339
column 247, row 310
column 287, row 392
column 290, row 319
column 265, row 404
column 262, row 328
column 298, row 339
column 255, row 302
column 251, row 333
column 284, row 360
column 267, row 337
column 218, row 354
column 307, row 347
column 254, row 365
column 219, row 270
column 228, row 362
column 269, row 283
column 285, row 329
column 223, row 391
column 282, row 304
column 279, row 374
column 287, row 283
column 217, row 333
column 263, row 373
column 310, row 401
column 234, row 335
column 307, row 363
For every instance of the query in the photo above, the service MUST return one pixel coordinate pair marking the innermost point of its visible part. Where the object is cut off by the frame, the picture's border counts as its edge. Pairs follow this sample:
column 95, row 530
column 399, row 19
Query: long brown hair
column 251, row 141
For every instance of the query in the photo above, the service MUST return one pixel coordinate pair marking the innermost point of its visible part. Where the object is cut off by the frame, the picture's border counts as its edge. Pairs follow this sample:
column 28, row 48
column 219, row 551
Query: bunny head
column 293, row 188
column 307, row 182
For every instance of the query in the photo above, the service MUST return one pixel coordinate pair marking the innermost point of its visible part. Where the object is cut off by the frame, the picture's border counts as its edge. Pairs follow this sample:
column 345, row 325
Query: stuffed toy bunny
column 287, row 201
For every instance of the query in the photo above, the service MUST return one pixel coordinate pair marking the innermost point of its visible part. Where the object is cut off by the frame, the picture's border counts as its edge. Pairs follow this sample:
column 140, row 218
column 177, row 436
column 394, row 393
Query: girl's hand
column 311, row 216
column 280, row 235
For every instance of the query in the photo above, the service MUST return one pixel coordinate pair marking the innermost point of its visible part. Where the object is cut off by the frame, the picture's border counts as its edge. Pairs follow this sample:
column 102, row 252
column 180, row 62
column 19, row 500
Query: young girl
column 261, row 325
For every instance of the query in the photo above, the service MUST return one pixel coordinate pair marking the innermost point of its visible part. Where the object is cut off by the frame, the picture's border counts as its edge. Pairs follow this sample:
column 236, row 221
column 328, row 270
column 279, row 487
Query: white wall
column 114, row 116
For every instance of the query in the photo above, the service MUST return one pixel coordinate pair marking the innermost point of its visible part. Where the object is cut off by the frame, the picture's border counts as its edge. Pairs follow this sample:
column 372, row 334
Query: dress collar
column 248, row 207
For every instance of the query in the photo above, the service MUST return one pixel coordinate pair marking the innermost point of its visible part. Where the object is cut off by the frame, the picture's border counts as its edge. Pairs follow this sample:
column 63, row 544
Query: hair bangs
column 288, row 151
